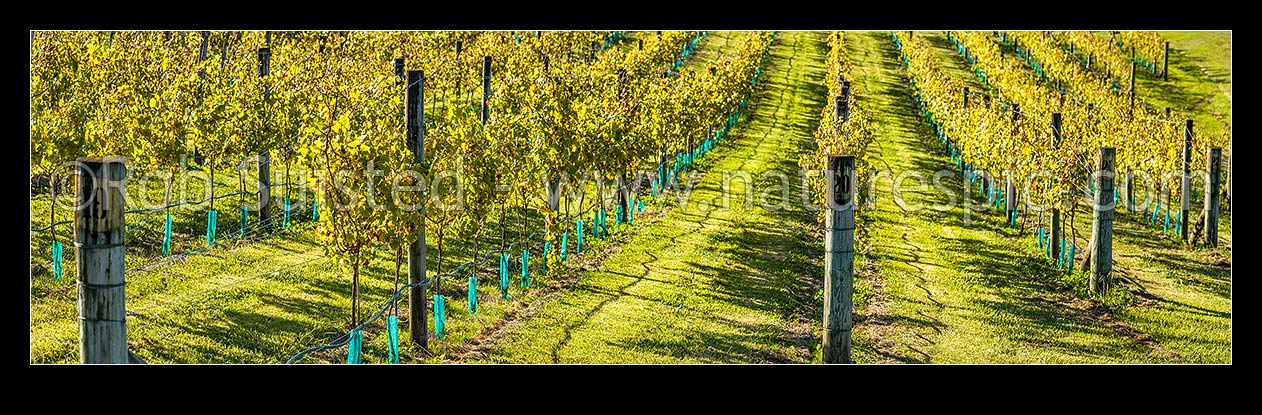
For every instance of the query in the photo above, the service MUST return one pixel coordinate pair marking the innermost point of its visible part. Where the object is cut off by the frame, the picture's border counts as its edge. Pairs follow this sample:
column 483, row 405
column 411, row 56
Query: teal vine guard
column 166, row 237
column 604, row 223
column 565, row 242
column 641, row 207
column 631, row 211
column 354, row 348
column 392, row 333
column 245, row 216
column 1047, row 245
column 504, row 275
column 211, row 218
column 473, row 295
column 1060, row 261
column 285, row 221
column 1040, row 245
column 57, row 260
column 1178, row 221
column 315, row 210
column 617, row 216
column 578, row 230
column 525, row 268
column 596, row 224
column 1071, row 260
column 547, row 247
column 1166, row 227
column 440, row 315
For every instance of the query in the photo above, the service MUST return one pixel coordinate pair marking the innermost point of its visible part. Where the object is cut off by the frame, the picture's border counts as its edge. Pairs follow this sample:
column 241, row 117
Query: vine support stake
column 418, row 330
column 100, row 231
column 839, row 260
column 1102, row 223
column 1055, row 231
column 1185, row 193
column 1215, row 158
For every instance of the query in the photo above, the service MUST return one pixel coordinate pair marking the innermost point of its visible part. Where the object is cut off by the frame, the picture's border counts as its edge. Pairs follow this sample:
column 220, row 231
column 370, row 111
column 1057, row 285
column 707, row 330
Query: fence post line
column 1215, row 159
column 839, row 259
column 1101, row 254
column 1185, row 193
column 1055, row 230
column 418, row 328
column 486, row 89
column 1165, row 70
column 265, row 156
column 99, row 234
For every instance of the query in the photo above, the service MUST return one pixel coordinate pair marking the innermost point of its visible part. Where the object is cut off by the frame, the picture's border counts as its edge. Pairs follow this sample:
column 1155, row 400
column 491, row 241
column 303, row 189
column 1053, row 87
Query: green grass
column 700, row 284
column 951, row 290
column 227, row 305
column 1200, row 80
column 695, row 284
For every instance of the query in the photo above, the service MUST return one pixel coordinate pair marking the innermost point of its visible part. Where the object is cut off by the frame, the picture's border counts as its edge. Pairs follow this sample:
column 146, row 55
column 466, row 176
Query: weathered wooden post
column 1055, row 228
column 99, row 232
column 841, row 108
column 265, row 156
column 486, row 89
column 839, row 259
column 1215, row 158
column 417, row 328
column 1185, row 194
column 965, row 97
column 1101, row 254
column 1131, row 109
column 1165, row 67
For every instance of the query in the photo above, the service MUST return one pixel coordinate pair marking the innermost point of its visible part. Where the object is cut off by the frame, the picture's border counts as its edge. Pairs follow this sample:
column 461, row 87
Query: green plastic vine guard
column 285, row 220
column 578, row 230
column 504, row 275
column 245, row 216
column 354, row 348
column 440, row 315
column 1071, row 260
column 392, row 333
column 166, row 237
column 315, row 210
column 57, row 250
column 525, row 268
column 211, row 218
column 547, row 247
column 473, row 295
column 1060, row 259
column 565, row 242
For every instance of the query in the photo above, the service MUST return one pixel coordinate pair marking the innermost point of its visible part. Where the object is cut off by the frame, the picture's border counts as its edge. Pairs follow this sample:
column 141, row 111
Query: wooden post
column 417, row 328
column 965, row 97
column 1128, row 199
column 839, row 260
column 1055, row 228
column 486, row 89
column 265, row 156
column 99, row 232
column 1101, row 254
column 1131, row 111
column 1215, row 158
column 1165, row 67
column 1185, row 194
column 841, row 105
